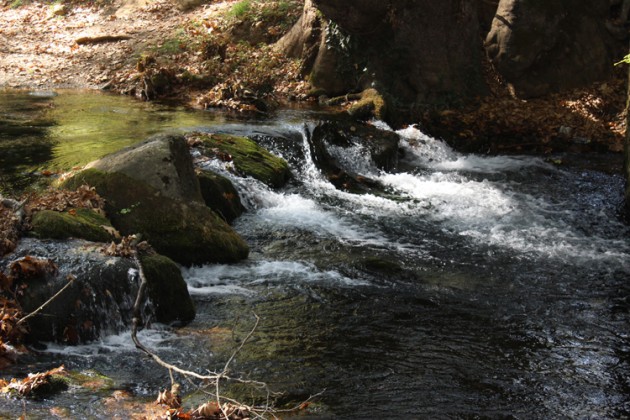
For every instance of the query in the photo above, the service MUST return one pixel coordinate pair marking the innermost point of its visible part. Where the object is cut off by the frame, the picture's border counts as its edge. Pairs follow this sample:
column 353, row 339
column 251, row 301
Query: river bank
column 221, row 54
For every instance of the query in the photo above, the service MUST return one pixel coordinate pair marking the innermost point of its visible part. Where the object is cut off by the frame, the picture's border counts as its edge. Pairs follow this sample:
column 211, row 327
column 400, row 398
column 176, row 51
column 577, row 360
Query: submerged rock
column 76, row 223
column 380, row 147
column 248, row 157
column 189, row 233
column 99, row 301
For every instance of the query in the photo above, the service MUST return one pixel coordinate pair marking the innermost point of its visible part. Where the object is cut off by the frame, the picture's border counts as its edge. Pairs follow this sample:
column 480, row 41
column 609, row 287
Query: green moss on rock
column 189, row 233
column 167, row 289
column 249, row 158
column 371, row 105
column 77, row 223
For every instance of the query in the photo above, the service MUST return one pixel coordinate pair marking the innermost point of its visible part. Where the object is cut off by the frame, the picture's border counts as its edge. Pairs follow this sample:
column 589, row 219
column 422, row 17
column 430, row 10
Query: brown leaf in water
column 34, row 381
column 112, row 231
column 5, row 282
column 170, row 397
column 32, row 267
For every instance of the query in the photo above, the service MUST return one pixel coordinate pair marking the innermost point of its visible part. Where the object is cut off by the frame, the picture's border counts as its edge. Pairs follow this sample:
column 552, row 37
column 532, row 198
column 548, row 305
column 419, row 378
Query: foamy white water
column 242, row 278
column 494, row 213
column 454, row 191
column 157, row 338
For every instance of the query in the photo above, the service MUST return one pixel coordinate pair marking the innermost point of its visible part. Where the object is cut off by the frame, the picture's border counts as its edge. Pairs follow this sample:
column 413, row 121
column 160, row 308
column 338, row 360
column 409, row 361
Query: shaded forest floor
column 218, row 54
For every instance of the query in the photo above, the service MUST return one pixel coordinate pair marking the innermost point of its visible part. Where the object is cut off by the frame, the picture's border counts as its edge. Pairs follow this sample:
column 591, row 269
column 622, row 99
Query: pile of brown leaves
column 30, row 268
column 584, row 119
column 62, row 200
column 11, row 333
column 127, row 246
column 207, row 411
column 10, row 227
column 250, row 75
column 207, row 62
column 32, row 383
column 12, row 284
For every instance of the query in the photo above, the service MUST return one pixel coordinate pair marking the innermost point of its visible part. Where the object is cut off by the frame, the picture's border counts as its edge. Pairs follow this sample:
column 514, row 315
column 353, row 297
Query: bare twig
column 38, row 310
column 213, row 378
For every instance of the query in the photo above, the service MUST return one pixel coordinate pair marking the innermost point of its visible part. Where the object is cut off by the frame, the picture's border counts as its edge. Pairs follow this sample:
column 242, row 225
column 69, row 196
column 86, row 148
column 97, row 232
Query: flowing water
column 470, row 287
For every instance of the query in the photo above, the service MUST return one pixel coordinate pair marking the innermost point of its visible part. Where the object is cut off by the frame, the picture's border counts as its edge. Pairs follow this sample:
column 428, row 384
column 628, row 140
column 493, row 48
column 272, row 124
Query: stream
column 475, row 287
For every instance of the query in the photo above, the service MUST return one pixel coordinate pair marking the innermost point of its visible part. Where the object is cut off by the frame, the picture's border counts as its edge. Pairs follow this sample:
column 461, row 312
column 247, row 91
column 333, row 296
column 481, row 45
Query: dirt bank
column 153, row 49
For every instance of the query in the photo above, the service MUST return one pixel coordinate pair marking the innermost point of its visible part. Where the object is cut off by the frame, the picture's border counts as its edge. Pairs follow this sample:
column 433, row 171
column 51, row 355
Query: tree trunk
column 421, row 53
column 542, row 47
column 626, row 151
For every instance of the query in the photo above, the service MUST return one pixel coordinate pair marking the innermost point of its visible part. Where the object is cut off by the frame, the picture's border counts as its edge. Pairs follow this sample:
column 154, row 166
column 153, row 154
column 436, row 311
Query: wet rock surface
column 188, row 232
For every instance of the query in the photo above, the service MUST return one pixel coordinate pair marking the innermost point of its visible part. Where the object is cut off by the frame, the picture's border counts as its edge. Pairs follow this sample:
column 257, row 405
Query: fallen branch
column 38, row 310
column 212, row 379
column 84, row 40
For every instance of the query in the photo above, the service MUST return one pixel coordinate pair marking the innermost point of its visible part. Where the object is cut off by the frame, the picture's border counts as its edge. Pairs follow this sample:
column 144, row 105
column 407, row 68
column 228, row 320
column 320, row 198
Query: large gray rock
column 162, row 161
column 151, row 188
column 186, row 231
column 545, row 46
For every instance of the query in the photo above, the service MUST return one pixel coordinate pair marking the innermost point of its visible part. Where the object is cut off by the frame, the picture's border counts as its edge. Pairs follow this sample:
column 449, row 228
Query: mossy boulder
column 167, row 289
column 220, row 195
column 189, row 233
column 248, row 157
column 371, row 105
column 75, row 223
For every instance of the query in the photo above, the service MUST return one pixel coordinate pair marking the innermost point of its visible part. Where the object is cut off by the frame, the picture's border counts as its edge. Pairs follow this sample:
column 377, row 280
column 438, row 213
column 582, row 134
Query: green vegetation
column 175, row 44
column 282, row 13
column 240, row 9
column 625, row 60
column 76, row 223
column 248, row 157
column 371, row 105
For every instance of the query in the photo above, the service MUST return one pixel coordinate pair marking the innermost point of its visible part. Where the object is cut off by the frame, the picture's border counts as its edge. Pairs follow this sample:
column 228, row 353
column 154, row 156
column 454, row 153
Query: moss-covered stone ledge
column 248, row 157
column 189, row 233
column 75, row 223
